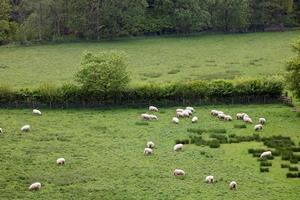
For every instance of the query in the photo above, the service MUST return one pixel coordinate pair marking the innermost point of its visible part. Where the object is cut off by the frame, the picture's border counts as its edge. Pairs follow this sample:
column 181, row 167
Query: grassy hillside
column 157, row 59
column 104, row 156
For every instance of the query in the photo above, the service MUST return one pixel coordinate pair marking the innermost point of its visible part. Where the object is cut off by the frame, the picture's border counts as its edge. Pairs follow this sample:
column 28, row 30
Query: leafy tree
column 103, row 73
column 293, row 68
column 7, row 28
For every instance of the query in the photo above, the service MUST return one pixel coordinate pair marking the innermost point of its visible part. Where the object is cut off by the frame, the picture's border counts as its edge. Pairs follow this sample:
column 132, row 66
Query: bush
column 196, row 130
column 286, row 155
column 265, row 164
column 214, row 144
column 285, row 166
column 295, row 149
column 293, row 168
column 220, row 137
column 240, row 126
column 256, row 151
column 198, row 140
column 182, row 141
column 292, row 175
column 264, row 169
column 233, row 140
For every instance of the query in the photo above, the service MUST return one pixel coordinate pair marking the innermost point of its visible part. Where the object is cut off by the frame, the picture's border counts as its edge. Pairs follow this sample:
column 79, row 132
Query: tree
column 293, row 68
column 7, row 28
column 103, row 73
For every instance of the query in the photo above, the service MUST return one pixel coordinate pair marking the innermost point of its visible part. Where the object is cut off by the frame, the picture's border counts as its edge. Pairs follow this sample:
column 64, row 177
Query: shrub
column 198, row 140
column 278, row 142
column 265, row 164
column 196, row 130
column 182, row 141
column 285, row 166
column 264, row 169
column 217, row 130
column 293, row 168
column 240, row 126
column 214, row 144
column 256, row 151
column 220, row 137
column 292, row 175
column 294, row 161
column 295, row 149
column 233, row 140
column 286, row 155
column 232, row 135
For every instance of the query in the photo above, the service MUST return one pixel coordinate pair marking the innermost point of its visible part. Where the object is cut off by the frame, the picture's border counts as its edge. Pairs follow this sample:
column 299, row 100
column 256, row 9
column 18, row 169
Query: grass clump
column 240, row 126
column 174, row 71
column 182, row 141
column 265, row 164
column 264, row 169
column 285, row 166
column 141, row 123
column 293, row 168
column 214, row 144
column 293, row 175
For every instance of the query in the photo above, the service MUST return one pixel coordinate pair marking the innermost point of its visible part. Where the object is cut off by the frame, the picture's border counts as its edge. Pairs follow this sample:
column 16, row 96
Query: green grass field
column 104, row 156
column 158, row 59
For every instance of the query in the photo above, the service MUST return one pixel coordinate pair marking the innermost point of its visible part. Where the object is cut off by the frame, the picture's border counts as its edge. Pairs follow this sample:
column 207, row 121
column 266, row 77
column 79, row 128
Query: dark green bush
column 294, row 161
column 198, row 140
column 196, row 130
column 182, row 141
column 295, row 149
column 264, row 169
column 286, row 155
column 256, row 151
column 232, row 135
column 240, row 126
column 214, row 144
column 265, row 164
column 216, row 130
column 285, row 166
column 233, row 140
column 220, row 137
column 278, row 142
column 293, row 168
column 292, row 175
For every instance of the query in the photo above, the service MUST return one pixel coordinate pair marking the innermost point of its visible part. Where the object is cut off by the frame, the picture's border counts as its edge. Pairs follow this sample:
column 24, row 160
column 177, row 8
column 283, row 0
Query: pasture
column 104, row 154
column 154, row 59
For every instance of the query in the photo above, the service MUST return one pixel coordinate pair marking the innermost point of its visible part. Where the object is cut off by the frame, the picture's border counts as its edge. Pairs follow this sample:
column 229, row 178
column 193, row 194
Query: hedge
column 265, row 90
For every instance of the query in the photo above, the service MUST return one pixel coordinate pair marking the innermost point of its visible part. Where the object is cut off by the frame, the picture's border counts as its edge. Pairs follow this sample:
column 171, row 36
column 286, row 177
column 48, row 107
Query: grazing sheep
column 178, row 147
column 35, row 186
column 175, row 120
column 190, row 108
column 36, row 112
column 216, row 112
column 258, row 127
column 147, row 151
column 228, row 118
column 266, row 154
column 153, row 108
column 1, row 130
column 240, row 115
column 179, row 172
column 25, row 128
column 209, row 179
column 194, row 119
column 232, row 185
column 247, row 120
column 153, row 117
column 221, row 116
column 60, row 161
column 262, row 121
column 186, row 113
column 179, row 114
column 146, row 116
column 179, row 110
column 150, row 145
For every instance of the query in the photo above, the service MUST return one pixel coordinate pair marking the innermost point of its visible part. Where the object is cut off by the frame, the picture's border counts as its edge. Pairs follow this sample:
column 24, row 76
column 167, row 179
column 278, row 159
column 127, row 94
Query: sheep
column 175, row 120
column 247, row 120
column 153, row 117
column 190, row 108
column 178, row 147
column 221, row 116
column 148, row 151
column 36, row 112
column 1, row 130
column 266, row 154
column 178, row 172
column 262, row 121
column 153, row 108
column 194, row 119
column 209, row 179
column 150, row 144
column 228, row 118
column 232, row 185
column 179, row 114
column 146, row 116
column 60, row 161
column 25, row 128
column 179, row 110
column 258, row 127
column 239, row 115
column 215, row 112
column 35, row 186
column 186, row 113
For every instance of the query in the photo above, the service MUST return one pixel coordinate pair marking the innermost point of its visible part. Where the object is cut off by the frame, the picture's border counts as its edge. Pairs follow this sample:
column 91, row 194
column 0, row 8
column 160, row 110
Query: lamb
column 153, row 117
column 262, row 121
column 228, row 118
column 35, row 186
column 221, row 116
column 153, row 108
column 148, row 151
column 190, row 108
column 194, row 119
column 179, row 172
column 178, row 147
column 258, row 127
column 175, row 120
column 150, row 145
column 179, row 110
column 216, row 112
column 186, row 113
column 247, row 120
column 179, row 114
column 60, row 161
column 36, row 112
column 25, row 128
column 209, row 179
column 232, row 185
column 1, row 130
column 239, row 115
column 146, row 116
column 266, row 154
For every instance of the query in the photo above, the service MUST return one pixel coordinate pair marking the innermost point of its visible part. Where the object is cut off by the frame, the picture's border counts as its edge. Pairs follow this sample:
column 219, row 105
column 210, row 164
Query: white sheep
column 239, row 115
column 35, row 186
column 175, row 120
column 153, row 117
column 148, row 151
column 36, row 112
column 194, row 119
column 258, row 127
column 262, row 121
column 266, row 154
column 190, row 108
column 1, row 130
column 209, row 179
column 25, row 128
column 214, row 112
column 186, row 113
column 150, row 144
column 178, row 147
column 179, row 114
column 228, row 118
column 153, row 108
column 232, row 185
column 60, row 161
column 179, row 110
column 178, row 172
column 221, row 116
column 247, row 120
column 146, row 116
